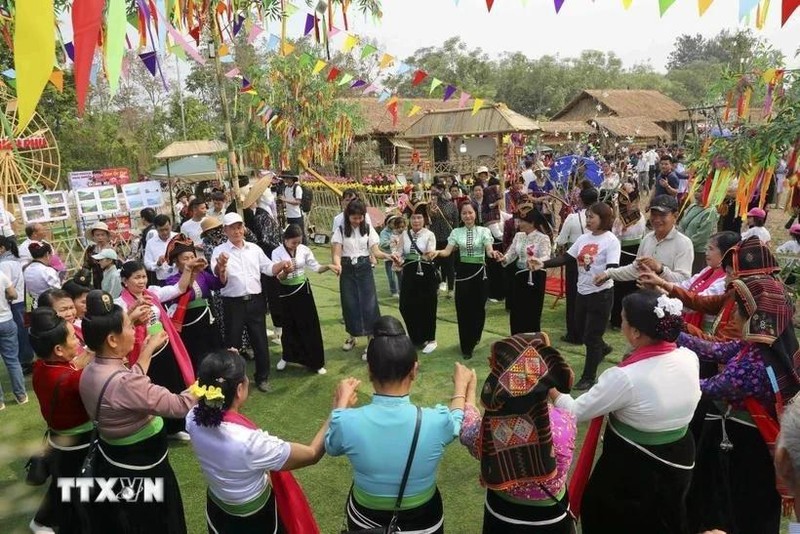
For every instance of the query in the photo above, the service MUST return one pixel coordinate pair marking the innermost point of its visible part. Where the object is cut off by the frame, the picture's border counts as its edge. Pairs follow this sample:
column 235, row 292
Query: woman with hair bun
column 244, row 465
column 39, row 274
column 128, row 409
column 641, row 479
column 56, row 381
column 378, row 438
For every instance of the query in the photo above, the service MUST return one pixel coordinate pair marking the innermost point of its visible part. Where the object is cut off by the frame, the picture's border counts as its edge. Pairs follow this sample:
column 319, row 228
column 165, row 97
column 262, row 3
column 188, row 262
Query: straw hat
column 482, row 169
column 257, row 189
column 209, row 223
column 97, row 226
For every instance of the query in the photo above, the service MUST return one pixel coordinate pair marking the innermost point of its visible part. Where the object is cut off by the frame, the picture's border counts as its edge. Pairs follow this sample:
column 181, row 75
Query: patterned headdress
column 516, row 443
column 751, row 257
column 628, row 207
column 768, row 306
column 177, row 246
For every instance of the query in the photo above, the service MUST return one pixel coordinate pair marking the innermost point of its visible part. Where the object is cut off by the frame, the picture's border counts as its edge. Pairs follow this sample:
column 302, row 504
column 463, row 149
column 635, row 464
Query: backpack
column 308, row 198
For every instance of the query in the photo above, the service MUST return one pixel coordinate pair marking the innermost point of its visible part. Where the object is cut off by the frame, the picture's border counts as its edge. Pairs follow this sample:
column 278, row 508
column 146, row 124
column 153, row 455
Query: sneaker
column 443, row 287
column 2, row 406
column 264, row 386
column 430, row 347
column 583, row 384
column 281, row 365
column 349, row 343
column 180, row 436
column 22, row 399
column 278, row 332
column 270, row 333
column 493, row 301
column 364, row 355
column 322, row 371
column 36, row 528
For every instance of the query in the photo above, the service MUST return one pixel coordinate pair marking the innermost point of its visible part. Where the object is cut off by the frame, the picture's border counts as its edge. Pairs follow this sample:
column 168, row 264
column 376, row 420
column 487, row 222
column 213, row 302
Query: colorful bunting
column 255, row 31
column 149, row 60
column 664, row 5
column 87, row 19
column 333, row 31
column 789, row 7
column 11, row 74
column 333, row 74
column 306, row 59
column 349, row 43
column 223, row 50
column 368, row 50
column 34, row 54
column 746, row 7
column 273, row 42
column 449, row 91
column 386, row 60
column 57, row 79
column 477, row 106
column 436, row 82
column 414, row 111
column 627, row 3
column 116, row 23
column 489, row 4
column 179, row 39
column 288, row 48
column 347, row 78
column 559, row 4
column 247, row 87
column 418, row 77
column 69, row 48
column 703, row 5
column 385, row 94
column 402, row 68
column 310, row 22
column 465, row 96
column 237, row 23
column 357, row 84
column 232, row 73
column 319, row 66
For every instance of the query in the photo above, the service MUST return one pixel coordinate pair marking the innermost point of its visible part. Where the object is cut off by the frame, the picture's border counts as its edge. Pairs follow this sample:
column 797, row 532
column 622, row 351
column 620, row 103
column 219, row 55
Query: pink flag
column 255, row 31
column 465, row 96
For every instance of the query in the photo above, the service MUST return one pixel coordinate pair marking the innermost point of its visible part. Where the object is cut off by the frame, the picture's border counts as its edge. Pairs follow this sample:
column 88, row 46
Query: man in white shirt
column 192, row 228
column 239, row 266
column 218, row 206
column 292, row 196
column 527, row 175
column 36, row 233
column 155, row 260
column 642, row 172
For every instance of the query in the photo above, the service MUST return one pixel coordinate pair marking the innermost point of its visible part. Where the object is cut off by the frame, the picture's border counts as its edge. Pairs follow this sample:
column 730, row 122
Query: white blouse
column 303, row 259
column 39, row 278
column 653, row 395
column 789, row 247
column 163, row 294
column 426, row 242
column 357, row 245
column 525, row 246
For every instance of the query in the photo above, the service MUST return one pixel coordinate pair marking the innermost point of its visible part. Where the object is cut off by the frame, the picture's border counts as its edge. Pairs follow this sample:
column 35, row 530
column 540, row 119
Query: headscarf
column 516, row 443
column 751, row 257
column 177, row 246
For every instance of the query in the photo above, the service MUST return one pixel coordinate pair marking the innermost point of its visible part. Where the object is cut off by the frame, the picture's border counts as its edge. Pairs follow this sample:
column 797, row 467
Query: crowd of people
column 156, row 347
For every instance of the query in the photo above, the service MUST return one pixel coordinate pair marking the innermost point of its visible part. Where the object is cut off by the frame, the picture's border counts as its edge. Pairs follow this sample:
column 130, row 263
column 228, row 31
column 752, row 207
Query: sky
column 637, row 35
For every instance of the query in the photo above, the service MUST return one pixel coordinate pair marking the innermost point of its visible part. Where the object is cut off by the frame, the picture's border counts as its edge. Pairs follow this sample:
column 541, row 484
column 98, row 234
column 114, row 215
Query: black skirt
column 496, row 274
column 500, row 515
column 527, row 301
column 302, row 334
column 272, row 290
column 164, row 372
column 200, row 336
column 64, row 461
column 471, row 294
column 623, row 289
column 264, row 521
column 151, row 460
column 427, row 518
column 629, row 492
column 419, row 301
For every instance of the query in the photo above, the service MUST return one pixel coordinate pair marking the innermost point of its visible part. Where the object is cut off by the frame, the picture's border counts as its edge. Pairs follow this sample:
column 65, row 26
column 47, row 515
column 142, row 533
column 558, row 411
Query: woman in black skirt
column 418, row 301
column 302, row 335
column 474, row 243
column 527, row 289
column 128, row 409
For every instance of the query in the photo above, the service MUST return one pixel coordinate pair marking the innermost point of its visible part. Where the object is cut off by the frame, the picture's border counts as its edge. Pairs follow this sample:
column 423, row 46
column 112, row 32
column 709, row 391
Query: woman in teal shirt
column 377, row 438
column 474, row 243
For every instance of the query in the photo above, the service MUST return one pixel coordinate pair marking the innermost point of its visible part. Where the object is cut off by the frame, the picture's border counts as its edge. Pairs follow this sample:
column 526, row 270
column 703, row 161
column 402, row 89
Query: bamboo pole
column 319, row 177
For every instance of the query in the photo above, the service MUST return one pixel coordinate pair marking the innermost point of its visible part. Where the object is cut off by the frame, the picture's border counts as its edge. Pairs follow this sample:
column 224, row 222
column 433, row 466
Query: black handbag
column 38, row 466
column 438, row 273
column 392, row 527
column 87, row 468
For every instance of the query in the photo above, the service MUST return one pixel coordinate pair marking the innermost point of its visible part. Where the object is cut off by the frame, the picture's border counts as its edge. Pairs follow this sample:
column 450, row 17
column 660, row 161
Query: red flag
column 789, row 7
column 583, row 468
column 87, row 19
column 333, row 74
column 393, row 111
column 418, row 77
column 489, row 4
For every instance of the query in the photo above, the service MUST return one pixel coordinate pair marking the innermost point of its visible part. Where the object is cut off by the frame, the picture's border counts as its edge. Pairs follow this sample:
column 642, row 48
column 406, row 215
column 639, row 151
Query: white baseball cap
column 232, row 218
column 105, row 254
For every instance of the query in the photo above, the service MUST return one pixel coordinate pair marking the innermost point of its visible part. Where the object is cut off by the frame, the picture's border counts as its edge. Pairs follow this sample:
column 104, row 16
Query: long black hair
column 356, row 207
column 391, row 354
column 103, row 318
column 10, row 245
column 47, row 330
column 640, row 313
column 224, row 369
column 40, row 250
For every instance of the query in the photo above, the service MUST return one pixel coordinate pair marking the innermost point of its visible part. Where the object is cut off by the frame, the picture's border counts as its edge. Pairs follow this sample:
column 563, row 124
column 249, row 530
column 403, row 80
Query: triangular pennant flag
column 223, row 50
column 418, row 77
column 407, row 105
column 768, row 75
column 559, row 4
column 392, row 107
column 273, row 42
column 664, row 5
column 247, row 87
column 368, row 50
column 436, row 82
column 449, row 91
column 371, row 88
column 149, row 60
column 306, row 59
column 309, row 24
column 477, row 105
column 703, row 5
column 414, row 111
column 87, row 21
column 10, row 74
column 290, row 9
column 357, row 84
column 489, row 4
column 333, row 74
column 57, row 79
column 789, row 7
column 746, row 7
column 349, row 42
column 116, row 23
column 70, row 49
column 465, row 96
column 237, row 23
column 402, row 68
column 386, row 60
column 255, row 31
column 385, row 94
column 288, row 48
column 319, row 66
column 347, row 78
column 232, row 73
column 333, row 31
column 627, row 3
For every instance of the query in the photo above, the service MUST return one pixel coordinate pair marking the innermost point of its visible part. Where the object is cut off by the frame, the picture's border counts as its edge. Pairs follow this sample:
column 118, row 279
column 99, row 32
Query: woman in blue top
column 377, row 438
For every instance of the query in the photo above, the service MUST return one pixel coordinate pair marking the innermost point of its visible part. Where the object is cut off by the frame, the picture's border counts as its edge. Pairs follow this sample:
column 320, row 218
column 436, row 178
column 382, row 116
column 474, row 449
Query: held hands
column 336, row 269
column 140, row 313
column 649, row 279
column 497, row 255
column 535, row 264
column 430, row 256
column 601, row 279
column 463, row 378
column 198, row 265
column 649, row 263
column 346, row 394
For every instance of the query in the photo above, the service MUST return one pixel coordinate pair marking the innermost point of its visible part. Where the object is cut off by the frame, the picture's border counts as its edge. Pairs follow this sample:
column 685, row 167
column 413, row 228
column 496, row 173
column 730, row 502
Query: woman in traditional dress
column 639, row 484
column 474, row 243
column 128, row 409
column 386, row 436
column 353, row 242
column 527, row 484
column 190, row 312
column 419, row 301
column 172, row 368
column 245, row 467
column 56, row 377
column 735, row 475
column 302, row 334
column 534, row 240
column 78, row 292
column 38, row 274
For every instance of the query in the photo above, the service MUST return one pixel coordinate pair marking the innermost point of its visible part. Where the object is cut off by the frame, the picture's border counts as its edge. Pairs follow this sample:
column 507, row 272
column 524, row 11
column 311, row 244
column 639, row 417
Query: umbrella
column 565, row 167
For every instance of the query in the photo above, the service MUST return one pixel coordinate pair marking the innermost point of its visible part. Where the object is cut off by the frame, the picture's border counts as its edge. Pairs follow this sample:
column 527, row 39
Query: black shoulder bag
column 392, row 527
column 437, row 272
column 38, row 466
column 87, row 469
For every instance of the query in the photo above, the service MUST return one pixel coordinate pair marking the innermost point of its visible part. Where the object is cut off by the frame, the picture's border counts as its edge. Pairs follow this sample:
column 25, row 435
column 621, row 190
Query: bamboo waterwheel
column 29, row 160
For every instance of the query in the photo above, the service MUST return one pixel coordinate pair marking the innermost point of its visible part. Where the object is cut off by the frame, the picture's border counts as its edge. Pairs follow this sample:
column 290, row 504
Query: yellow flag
column 477, row 106
column 223, row 50
column 769, row 75
column 414, row 111
column 627, row 3
column 57, row 79
column 34, row 54
column 386, row 61
column 319, row 66
column 349, row 43
column 287, row 49
column 703, row 6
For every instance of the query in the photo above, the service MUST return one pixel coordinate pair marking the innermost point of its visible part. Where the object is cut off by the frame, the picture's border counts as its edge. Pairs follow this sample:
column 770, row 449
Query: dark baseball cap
column 664, row 204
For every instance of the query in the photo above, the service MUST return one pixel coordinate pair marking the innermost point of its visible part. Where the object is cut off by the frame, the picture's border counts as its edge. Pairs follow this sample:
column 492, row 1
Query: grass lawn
column 297, row 407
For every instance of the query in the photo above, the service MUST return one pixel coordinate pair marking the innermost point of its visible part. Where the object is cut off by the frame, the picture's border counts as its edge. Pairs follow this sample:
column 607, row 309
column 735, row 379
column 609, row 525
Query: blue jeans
column 25, row 349
column 393, row 277
column 9, row 350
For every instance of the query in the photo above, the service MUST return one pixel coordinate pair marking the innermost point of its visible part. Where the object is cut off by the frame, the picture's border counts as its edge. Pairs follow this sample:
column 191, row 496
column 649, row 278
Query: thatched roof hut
column 489, row 120
column 378, row 121
column 633, row 127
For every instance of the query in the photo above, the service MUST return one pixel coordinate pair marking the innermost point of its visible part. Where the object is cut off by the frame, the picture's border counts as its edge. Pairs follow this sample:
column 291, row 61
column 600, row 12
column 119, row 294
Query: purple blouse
column 204, row 284
column 744, row 374
column 562, row 425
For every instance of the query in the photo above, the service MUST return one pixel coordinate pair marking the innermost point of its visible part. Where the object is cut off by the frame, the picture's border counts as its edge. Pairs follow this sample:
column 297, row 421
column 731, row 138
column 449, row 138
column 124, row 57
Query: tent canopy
column 189, row 169
column 179, row 149
column 488, row 120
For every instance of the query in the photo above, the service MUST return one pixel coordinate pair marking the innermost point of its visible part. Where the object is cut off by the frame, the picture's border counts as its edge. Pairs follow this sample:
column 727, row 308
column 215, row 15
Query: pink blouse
column 563, row 427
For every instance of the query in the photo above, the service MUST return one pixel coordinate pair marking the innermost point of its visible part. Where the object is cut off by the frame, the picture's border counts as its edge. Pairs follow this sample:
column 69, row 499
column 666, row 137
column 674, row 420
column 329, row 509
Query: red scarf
column 583, row 468
column 175, row 341
column 293, row 508
column 703, row 282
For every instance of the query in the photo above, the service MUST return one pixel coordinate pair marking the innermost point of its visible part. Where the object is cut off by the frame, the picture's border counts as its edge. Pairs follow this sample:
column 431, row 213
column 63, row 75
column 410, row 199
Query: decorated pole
column 319, row 177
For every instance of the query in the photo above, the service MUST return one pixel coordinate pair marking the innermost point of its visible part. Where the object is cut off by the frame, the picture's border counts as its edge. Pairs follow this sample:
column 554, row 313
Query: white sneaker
column 494, row 301
column 278, row 332
column 322, row 371
column 396, row 295
column 281, row 365
column 180, row 436
column 430, row 347
column 36, row 528
column 349, row 343
column 443, row 287
column 364, row 355
column 270, row 333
